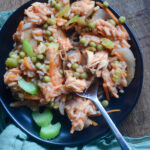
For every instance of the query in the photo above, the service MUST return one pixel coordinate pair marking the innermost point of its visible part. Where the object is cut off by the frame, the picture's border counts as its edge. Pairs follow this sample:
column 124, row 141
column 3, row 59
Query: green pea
column 105, row 4
column 111, row 21
column 91, row 25
column 76, row 74
column 53, row 3
column 82, row 40
column 61, row 71
column 58, row 6
column 51, row 21
column 11, row 62
column 46, row 67
column 122, row 19
column 69, row 97
column 22, row 54
column 51, row 39
column 20, row 61
column 46, row 79
column 45, row 26
column 75, row 66
column 40, row 57
column 34, row 59
column 100, row 47
column 92, row 44
column 84, row 75
column 11, row 53
column 38, row 65
column 48, row 33
column 105, row 103
column 93, row 49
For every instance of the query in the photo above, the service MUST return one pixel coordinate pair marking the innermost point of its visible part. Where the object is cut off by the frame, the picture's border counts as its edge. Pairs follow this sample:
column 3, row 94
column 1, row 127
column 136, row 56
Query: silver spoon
column 91, row 93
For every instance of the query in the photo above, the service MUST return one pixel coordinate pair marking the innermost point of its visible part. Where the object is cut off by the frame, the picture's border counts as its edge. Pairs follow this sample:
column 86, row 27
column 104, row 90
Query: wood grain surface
column 138, row 17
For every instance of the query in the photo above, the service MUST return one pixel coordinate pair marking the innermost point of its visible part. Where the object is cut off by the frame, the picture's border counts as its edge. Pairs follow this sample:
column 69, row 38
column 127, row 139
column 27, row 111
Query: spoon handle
column 124, row 145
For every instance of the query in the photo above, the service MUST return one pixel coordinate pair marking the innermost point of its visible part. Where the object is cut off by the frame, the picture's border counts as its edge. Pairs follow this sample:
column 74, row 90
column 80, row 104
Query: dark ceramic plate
column 22, row 116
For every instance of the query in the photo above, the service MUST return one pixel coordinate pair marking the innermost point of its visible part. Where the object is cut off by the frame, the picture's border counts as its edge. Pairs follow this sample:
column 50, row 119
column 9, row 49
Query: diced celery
column 50, row 131
column 73, row 20
column 28, row 87
column 10, row 62
column 107, row 43
column 27, row 48
column 63, row 11
column 117, row 75
column 42, row 119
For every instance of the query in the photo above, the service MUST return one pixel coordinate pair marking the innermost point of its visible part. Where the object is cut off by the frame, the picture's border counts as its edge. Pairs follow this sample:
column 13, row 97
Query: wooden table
column 138, row 17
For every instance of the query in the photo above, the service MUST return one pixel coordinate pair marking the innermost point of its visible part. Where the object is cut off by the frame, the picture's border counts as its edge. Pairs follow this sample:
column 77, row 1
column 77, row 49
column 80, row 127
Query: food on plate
column 59, row 49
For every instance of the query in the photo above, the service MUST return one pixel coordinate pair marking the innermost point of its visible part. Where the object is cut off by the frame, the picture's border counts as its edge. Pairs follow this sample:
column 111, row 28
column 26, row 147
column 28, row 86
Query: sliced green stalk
column 50, row 131
column 28, row 87
column 42, row 119
column 27, row 48
column 63, row 11
column 107, row 43
column 10, row 62
column 73, row 20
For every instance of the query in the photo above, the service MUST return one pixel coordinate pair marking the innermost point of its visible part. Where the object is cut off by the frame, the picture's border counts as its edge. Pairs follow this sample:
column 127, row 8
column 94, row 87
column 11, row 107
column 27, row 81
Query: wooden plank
column 137, row 12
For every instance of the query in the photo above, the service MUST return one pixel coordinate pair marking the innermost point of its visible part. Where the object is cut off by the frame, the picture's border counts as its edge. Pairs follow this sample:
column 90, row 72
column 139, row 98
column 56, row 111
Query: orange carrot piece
column 114, row 110
column 106, row 91
column 20, row 26
column 29, row 97
column 38, row 33
column 27, row 64
column 12, row 76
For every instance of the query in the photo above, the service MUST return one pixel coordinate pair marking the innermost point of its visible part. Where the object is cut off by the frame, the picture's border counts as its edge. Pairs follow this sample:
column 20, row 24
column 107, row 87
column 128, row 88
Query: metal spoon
column 91, row 93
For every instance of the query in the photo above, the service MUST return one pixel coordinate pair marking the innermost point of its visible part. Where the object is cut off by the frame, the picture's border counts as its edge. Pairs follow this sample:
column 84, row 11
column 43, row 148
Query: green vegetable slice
column 50, row 131
column 42, row 119
column 73, row 20
column 27, row 48
column 54, row 45
column 63, row 11
column 28, row 87
column 10, row 62
column 107, row 43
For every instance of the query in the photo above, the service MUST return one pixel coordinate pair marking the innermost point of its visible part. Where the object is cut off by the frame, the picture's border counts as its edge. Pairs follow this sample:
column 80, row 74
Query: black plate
column 22, row 116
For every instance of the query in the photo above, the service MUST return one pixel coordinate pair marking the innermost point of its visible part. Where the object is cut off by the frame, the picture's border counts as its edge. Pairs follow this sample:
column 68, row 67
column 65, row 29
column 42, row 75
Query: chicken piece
column 40, row 49
column 53, row 56
column 91, row 38
column 83, row 7
column 74, row 56
column 61, row 21
column 78, row 111
column 108, row 30
column 38, row 13
column 50, row 91
column 109, row 83
column 74, row 85
column 64, row 42
column 96, row 62
column 11, row 78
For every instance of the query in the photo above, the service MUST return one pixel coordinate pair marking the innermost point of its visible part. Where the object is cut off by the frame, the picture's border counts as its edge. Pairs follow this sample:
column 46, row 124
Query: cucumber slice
column 28, row 87
column 42, row 119
column 50, row 131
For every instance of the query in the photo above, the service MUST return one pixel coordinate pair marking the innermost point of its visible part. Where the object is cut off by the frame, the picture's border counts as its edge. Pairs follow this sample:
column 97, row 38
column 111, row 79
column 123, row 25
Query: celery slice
column 54, row 45
column 27, row 48
column 50, row 131
column 64, row 11
column 73, row 20
column 42, row 119
column 28, row 87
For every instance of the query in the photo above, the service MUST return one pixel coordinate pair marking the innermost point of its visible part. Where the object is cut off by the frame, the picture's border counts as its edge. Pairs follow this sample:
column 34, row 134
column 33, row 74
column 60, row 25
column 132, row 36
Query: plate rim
column 57, row 144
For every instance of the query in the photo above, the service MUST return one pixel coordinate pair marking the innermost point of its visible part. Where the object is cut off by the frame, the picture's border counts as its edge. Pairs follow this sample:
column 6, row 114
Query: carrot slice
column 20, row 26
column 38, row 33
column 30, row 97
column 106, row 91
column 118, row 56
